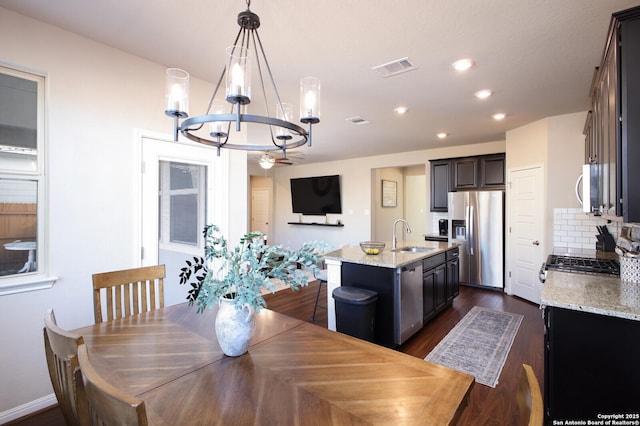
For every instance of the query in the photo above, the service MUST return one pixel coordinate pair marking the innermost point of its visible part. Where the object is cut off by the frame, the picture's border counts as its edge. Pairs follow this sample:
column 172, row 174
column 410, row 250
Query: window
column 182, row 206
column 22, row 261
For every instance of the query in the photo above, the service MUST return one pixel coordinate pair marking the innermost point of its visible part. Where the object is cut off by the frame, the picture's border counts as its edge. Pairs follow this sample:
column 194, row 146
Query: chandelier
column 213, row 128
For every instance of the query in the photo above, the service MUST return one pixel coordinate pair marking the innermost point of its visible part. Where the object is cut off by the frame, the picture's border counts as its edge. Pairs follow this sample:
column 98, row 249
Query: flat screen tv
column 318, row 195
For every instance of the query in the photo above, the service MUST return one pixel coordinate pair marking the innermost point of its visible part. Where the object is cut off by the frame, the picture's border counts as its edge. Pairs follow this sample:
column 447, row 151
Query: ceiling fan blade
column 283, row 161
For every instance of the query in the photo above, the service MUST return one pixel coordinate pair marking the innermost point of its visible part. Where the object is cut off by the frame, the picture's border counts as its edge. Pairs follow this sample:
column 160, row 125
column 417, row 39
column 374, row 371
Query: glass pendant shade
column 238, row 73
column 218, row 129
column 310, row 100
column 284, row 111
column 177, row 92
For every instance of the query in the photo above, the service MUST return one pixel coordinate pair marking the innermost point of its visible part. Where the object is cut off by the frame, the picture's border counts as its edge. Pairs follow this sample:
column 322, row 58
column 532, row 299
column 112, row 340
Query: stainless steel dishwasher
column 410, row 303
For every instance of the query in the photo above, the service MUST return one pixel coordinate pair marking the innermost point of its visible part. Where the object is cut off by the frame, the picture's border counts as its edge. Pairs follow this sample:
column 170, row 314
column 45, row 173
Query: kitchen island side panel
column 382, row 281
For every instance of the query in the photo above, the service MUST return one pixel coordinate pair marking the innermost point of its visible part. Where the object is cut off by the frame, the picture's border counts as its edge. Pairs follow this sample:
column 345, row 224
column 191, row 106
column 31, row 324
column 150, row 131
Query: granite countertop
column 389, row 259
column 595, row 293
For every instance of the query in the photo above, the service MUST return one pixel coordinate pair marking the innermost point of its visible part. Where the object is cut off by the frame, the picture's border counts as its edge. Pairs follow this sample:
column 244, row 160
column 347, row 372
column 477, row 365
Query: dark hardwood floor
column 487, row 406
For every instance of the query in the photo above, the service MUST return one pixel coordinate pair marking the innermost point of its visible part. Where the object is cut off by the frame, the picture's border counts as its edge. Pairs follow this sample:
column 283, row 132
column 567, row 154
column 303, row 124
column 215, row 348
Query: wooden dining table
column 295, row 373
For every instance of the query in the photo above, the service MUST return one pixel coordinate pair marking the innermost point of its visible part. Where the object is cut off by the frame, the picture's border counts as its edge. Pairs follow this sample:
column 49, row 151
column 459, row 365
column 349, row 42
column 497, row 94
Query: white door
column 181, row 193
column 526, row 230
column 260, row 210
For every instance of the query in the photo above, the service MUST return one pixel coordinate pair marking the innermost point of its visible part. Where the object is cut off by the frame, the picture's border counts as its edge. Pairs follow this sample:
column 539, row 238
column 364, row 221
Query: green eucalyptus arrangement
column 244, row 269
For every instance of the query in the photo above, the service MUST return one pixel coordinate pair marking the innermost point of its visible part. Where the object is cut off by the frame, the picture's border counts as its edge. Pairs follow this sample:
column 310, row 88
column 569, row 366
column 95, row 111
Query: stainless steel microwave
column 587, row 188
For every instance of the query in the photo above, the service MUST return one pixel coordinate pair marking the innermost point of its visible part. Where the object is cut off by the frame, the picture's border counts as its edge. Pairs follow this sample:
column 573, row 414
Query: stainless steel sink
column 412, row 249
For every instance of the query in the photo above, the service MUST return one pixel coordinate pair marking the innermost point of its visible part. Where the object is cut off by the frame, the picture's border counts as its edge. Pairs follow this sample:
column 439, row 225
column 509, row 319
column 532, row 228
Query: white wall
column 97, row 98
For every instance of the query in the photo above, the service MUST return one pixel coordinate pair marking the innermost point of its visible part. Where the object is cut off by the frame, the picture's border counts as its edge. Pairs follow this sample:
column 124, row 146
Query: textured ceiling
column 537, row 56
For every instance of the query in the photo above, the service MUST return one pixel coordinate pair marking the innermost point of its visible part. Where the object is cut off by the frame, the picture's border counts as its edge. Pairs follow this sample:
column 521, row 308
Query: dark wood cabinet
column 612, row 128
column 428, row 295
column 453, row 274
column 440, row 185
column 492, row 172
column 591, row 366
column 482, row 172
column 434, row 291
column 465, row 173
column 440, row 283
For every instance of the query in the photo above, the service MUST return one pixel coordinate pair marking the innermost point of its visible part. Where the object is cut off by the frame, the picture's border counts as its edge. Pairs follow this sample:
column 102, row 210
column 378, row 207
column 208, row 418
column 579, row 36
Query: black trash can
column 355, row 311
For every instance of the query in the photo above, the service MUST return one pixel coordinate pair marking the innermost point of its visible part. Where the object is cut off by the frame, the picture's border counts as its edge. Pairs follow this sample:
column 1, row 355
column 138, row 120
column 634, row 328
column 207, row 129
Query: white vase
column 234, row 327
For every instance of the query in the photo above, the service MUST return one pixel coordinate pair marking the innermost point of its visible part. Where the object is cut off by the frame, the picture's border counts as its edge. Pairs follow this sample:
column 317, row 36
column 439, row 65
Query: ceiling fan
column 286, row 159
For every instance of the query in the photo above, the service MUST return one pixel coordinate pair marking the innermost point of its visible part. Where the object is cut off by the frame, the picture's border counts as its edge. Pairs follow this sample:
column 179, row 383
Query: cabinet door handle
column 536, row 243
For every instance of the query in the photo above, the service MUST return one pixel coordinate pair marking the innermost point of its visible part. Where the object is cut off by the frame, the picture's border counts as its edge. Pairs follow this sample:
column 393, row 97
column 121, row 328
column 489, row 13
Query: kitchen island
column 592, row 347
column 412, row 286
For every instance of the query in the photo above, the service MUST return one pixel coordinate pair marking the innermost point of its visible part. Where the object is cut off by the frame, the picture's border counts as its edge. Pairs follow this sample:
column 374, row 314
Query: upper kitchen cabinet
column 479, row 172
column 612, row 130
column 492, row 172
column 482, row 172
column 465, row 173
column 440, row 184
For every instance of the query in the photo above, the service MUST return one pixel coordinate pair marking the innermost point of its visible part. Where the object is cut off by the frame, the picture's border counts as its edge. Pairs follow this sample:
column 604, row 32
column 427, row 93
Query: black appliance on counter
column 443, row 227
column 443, row 232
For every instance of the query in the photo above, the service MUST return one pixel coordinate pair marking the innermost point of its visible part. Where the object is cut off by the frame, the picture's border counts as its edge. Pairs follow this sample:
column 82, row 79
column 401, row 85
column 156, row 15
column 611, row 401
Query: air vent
column 396, row 67
column 357, row 120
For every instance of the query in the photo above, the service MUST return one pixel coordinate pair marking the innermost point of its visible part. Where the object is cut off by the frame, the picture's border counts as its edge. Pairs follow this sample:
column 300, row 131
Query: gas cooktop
column 583, row 264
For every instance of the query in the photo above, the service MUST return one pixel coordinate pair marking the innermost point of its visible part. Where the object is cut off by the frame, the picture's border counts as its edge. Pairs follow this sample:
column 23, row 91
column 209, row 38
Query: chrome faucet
column 395, row 240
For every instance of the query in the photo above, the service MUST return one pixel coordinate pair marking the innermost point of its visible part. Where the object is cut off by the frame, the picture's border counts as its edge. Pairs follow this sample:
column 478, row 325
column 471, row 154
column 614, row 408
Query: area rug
column 478, row 344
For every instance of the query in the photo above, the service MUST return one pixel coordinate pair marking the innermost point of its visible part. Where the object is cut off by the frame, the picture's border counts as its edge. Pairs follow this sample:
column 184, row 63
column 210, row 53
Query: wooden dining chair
column 529, row 398
column 128, row 292
column 61, row 350
column 107, row 405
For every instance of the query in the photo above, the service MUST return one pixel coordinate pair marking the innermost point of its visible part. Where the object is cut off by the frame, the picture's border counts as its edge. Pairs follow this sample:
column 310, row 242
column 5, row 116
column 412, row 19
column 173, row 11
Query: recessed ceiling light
column 499, row 116
column 401, row 110
column 483, row 94
column 441, row 135
column 462, row 64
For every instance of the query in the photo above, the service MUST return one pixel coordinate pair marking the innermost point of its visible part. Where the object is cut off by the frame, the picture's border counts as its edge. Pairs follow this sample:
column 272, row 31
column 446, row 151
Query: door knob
column 536, row 243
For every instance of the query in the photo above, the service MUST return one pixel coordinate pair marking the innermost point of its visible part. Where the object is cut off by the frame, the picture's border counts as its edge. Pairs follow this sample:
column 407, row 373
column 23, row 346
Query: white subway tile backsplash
column 574, row 229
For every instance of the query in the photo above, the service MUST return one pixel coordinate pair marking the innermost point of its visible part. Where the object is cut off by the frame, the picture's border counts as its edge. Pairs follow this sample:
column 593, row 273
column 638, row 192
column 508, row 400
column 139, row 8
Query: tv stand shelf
column 316, row 224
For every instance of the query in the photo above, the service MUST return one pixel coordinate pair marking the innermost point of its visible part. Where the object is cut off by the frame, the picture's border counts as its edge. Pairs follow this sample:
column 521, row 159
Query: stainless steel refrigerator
column 476, row 221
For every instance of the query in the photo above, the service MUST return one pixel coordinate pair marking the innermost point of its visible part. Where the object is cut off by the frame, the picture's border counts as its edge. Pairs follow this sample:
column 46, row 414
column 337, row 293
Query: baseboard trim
column 28, row 408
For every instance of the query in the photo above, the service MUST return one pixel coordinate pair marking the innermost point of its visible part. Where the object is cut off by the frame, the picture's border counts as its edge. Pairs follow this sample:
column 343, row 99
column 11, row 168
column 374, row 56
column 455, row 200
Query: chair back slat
column 107, row 405
column 61, row 351
column 128, row 292
column 529, row 398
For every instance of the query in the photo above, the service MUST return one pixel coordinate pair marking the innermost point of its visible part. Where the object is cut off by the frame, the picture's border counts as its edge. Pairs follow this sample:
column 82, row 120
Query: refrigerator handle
column 470, row 231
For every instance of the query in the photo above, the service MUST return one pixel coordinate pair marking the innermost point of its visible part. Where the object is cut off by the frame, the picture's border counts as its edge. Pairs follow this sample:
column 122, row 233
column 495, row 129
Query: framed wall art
column 389, row 193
